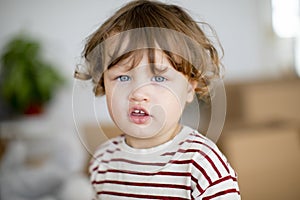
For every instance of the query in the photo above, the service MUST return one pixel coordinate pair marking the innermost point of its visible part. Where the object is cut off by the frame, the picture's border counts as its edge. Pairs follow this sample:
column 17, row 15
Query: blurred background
column 47, row 133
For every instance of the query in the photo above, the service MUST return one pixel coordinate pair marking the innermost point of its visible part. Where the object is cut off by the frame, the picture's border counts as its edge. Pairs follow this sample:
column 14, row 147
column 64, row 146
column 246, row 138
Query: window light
column 285, row 17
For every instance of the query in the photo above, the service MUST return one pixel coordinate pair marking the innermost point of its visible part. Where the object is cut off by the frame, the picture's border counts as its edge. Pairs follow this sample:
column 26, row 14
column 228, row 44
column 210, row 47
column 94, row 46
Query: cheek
column 178, row 94
column 116, row 100
column 171, row 102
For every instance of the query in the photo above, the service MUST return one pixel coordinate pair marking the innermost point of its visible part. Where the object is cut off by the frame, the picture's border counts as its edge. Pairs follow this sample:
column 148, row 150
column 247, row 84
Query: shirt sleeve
column 225, row 188
column 213, row 176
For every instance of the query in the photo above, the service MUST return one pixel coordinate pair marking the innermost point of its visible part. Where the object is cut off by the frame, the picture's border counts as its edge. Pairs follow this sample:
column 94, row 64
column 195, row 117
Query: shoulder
column 197, row 142
column 207, row 154
column 209, row 157
column 104, row 151
column 211, row 171
column 110, row 144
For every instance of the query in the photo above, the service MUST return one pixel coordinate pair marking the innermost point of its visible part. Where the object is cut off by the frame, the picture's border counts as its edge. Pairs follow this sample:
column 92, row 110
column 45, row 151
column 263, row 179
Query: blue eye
column 123, row 78
column 159, row 79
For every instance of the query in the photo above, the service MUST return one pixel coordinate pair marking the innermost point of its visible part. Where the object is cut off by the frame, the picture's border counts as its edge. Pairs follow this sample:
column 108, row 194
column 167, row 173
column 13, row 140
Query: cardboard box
column 267, row 161
column 264, row 101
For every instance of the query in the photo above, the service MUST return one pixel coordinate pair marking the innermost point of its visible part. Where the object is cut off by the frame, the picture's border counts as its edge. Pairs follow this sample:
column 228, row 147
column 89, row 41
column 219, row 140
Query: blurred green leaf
column 25, row 77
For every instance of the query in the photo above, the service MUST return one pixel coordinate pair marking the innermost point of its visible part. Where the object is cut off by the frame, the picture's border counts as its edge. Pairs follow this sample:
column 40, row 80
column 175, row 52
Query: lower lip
column 139, row 119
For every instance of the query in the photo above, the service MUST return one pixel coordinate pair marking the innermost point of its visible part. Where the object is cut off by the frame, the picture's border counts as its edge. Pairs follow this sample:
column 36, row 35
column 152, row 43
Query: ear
column 192, row 85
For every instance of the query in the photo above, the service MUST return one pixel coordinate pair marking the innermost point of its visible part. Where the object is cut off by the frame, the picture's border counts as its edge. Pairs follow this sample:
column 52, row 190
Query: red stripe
column 164, row 173
column 133, row 162
column 107, row 151
column 205, row 156
column 145, row 196
column 168, row 154
column 224, row 179
column 219, row 157
column 195, row 180
column 116, row 142
column 217, row 182
column 95, row 168
column 161, row 185
column 221, row 193
column 195, row 164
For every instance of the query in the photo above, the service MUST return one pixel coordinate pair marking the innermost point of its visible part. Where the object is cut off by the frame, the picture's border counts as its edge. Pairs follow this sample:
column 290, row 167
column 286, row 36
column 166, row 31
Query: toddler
column 150, row 59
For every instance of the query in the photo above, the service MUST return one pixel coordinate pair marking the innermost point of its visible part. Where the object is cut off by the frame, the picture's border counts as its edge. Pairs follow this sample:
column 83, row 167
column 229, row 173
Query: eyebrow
column 133, row 60
column 123, row 65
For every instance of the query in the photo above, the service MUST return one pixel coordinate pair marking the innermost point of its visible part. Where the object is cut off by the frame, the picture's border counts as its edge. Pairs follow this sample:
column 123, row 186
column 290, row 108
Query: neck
column 158, row 139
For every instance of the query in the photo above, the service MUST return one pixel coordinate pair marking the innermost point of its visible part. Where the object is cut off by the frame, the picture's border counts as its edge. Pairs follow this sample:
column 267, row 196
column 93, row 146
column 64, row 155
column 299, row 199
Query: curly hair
column 152, row 25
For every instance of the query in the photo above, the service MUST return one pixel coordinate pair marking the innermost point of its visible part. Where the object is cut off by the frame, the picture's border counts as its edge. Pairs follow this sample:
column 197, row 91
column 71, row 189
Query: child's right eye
column 123, row 78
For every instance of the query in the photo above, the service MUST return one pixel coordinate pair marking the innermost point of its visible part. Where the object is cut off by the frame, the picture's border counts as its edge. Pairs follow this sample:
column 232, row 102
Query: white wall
column 244, row 28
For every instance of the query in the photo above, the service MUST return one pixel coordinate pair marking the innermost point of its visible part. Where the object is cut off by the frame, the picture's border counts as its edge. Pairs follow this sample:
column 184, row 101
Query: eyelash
column 121, row 78
column 124, row 78
column 160, row 77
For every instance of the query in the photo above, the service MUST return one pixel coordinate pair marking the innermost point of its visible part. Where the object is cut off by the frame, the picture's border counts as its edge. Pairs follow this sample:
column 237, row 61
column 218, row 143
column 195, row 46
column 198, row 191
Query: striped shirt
column 188, row 167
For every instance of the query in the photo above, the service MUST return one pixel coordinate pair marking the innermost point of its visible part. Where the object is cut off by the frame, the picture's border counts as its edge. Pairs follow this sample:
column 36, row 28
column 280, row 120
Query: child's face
column 146, row 105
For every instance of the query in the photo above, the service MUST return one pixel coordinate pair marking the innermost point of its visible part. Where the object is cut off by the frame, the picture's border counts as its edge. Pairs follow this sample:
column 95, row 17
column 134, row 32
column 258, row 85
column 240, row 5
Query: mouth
column 139, row 115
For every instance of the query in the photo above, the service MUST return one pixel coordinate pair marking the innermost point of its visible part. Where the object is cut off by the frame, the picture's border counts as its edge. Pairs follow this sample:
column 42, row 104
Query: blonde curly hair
column 187, row 47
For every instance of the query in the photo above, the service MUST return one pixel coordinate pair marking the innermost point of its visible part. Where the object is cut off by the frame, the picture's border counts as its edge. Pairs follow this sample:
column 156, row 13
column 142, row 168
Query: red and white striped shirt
column 188, row 167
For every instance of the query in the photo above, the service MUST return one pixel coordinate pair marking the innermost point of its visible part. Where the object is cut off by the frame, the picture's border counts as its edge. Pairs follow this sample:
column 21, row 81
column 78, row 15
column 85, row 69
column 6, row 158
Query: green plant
column 27, row 81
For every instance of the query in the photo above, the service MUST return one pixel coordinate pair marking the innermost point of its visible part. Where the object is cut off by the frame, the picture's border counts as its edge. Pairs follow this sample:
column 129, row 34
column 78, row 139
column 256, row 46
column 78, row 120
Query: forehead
column 119, row 44
column 154, row 58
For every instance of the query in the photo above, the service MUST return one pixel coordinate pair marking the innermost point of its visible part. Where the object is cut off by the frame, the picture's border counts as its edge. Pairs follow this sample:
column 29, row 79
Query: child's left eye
column 159, row 79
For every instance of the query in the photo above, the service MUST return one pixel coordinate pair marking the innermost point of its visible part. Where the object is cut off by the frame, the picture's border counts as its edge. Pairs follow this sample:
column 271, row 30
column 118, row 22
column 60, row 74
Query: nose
column 139, row 95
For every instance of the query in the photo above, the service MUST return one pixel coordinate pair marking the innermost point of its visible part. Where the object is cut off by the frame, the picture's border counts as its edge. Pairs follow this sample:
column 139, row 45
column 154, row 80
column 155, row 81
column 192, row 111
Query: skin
column 147, row 107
